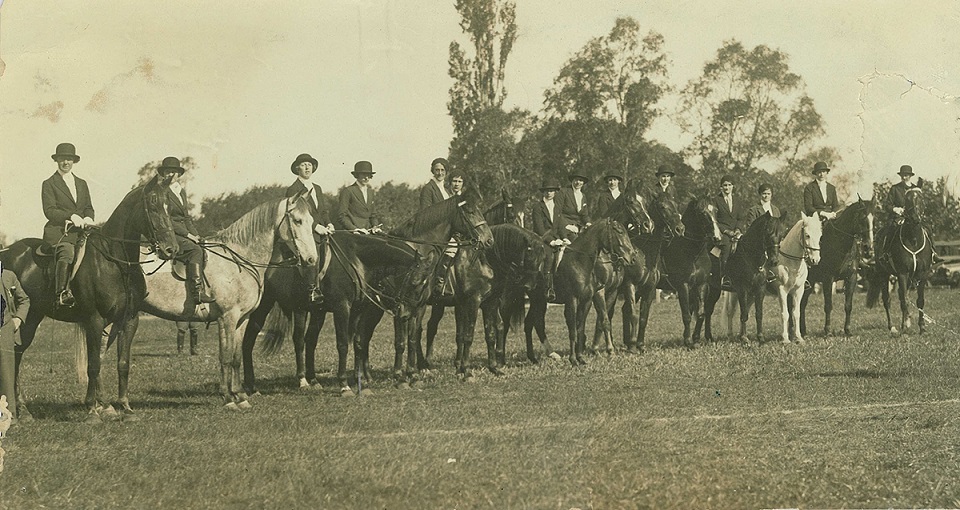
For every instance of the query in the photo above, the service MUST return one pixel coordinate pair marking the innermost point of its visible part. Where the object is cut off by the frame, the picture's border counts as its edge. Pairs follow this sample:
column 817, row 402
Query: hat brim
column 295, row 164
column 179, row 169
column 818, row 170
column 74, row 157
column 357, row 174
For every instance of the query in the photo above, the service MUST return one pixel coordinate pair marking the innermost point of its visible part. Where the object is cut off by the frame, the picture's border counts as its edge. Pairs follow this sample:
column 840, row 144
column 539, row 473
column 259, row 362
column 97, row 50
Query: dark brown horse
column 481, row 280
column 906, row 252
column 108, row 285
column 643, row 276
column 757, row 249
column 629, row 209
column 843, row 246
column 687, row 265
column 576, row 282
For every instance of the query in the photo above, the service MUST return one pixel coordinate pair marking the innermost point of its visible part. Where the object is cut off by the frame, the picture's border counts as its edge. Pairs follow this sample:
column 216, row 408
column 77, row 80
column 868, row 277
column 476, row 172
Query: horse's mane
column 435, row 214
column 252, row 225
column 511, row 239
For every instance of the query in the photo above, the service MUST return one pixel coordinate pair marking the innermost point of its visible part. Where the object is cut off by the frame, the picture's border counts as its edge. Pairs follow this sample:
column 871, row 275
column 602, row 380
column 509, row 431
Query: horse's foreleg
column 601, row 329
column 885, row 297
column 646, row 302
column 570, row 316
column 433, row 324
column 709, row 306
column 849, row 289
column 492, row 332
column 921, row 320
column 93, row 333
column 366, row 334
column 803, row 308
column 311, row 338
column 784, row 298
column 344, row 324
column 535, row 319
column 758, row 313
column 299, row 326
column 583, row 309
column 902, row 281
column 124, row 339
column 744, row 316
column 466, row 328
column 827, row 287
column 683, row 297
column 796, row 293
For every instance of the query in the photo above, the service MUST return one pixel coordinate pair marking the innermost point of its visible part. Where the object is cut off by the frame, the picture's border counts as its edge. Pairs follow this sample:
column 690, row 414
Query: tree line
column 747, row 115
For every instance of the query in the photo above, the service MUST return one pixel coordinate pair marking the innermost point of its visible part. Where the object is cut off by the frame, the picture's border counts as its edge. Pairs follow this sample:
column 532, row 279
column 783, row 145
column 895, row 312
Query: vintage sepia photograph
column 479, row 254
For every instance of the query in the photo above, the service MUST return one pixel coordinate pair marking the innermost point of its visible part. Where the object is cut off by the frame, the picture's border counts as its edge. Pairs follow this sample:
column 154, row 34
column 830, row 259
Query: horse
column 642, row 277
column 840, row 260
column 628, row 209
column 482, row 279
column 687, row 265
column 261, row 238
column 907, row 253
column 575, row 281
column 799, row 247
column 746, row 270
column 500, row 213
column 429, row 229
column 108, row 285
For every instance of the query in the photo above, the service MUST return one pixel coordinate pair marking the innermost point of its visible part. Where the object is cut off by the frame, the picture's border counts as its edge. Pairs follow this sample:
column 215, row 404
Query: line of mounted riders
column 290, row 255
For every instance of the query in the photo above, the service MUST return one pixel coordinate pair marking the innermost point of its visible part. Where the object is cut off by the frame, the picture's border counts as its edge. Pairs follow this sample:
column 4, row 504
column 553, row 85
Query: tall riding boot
column 180, row 335
column 195, row 287
column 442, row 268
column 64, row 296
column 193, row 342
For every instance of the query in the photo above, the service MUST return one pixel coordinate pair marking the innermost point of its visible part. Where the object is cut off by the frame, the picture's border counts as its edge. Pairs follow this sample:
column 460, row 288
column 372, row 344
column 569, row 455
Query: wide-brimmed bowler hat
column 664, row 169
column 613, row 176
column 300, row 159
column 66, row 151
column 171, row 163
column 362, row 168
column 820, row 167
column 578, row 176
column 550, row 185
column 906, row 170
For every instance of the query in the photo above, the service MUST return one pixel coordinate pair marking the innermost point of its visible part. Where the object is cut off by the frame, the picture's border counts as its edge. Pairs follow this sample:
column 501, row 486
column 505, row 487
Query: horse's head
column 470, row 221
column 700, row 218
column 913, row 207
column 295, row 228
column 503, row 212
column 856, row 220
column 764, row 234
column 616, row 241
column 159, row 228
column 667, row 217
column 811, row 232
column 532, row 266
column 631, row 209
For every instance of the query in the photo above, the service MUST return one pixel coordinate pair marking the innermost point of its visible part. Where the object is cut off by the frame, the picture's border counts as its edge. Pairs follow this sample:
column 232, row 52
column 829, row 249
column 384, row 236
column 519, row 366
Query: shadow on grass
column 860, row 373
column 43, row 410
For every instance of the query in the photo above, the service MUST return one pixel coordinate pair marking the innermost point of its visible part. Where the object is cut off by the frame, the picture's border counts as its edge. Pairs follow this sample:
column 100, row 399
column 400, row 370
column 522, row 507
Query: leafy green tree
column 748, row 112
column 396, row 203
column 604, row 100
column 485, row 136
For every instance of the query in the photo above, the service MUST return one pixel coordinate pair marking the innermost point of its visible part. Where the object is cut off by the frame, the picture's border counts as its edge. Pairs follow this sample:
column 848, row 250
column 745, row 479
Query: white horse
column 800, row 245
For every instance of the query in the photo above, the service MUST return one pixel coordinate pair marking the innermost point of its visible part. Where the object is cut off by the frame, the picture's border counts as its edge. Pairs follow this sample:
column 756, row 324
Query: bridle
column 290, row 241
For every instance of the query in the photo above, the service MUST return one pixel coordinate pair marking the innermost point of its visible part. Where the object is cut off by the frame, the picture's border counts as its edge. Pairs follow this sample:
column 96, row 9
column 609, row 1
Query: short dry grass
column 867, row 421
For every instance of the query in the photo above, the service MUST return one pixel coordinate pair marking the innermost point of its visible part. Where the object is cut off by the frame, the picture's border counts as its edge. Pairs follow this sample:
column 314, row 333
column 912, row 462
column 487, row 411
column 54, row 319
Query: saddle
column 43, row 257
column 150, row 263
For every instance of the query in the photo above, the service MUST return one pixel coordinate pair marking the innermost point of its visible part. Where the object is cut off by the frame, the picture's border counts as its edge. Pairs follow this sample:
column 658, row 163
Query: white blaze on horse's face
column 711, row 211
column 870, row 226
column 296, row 222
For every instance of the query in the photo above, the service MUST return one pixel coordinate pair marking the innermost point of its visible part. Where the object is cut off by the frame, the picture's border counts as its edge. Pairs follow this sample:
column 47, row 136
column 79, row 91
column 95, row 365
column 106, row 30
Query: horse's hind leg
column 902, row 281
column 254, row 325
column 804, row 299
column 93, row 331
column 312, row 337
column 849, row 289
column 827, row 289
column 885, row 297
column 433, row 324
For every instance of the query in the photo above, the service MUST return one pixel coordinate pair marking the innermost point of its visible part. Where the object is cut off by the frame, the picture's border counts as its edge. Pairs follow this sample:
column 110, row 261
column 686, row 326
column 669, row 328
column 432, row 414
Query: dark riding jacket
column 59, row 205
column 354, row 211
column 813, row 199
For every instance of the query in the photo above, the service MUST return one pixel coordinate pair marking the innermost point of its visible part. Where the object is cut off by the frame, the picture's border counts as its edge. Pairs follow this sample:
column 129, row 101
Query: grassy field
column 867, row 421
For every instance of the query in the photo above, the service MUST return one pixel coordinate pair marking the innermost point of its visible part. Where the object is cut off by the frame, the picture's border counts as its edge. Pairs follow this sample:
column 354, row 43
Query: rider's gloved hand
column 322, row 229
column 76, row 220
column 573, row 228
column 898, row 211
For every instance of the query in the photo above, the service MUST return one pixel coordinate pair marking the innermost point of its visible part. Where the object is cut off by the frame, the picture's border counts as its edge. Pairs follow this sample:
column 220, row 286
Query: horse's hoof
column 93, row 418
column 496, row 371
column 744, row 339
column 109, row 414
column 314, row 381
column 244, row 405
column 129, row 416
column 403, row 385
column 347, row 392
column 799, row 341
column 555, row 356
column 305, row 388
column 469, row 378
column 232, row 407
column 23, row 414
column 366, row 392
column 893, row 331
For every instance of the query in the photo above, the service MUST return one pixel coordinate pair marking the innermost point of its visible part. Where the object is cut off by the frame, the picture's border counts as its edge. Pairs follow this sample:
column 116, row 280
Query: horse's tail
column 513, row 304
column 275, row 329
column 80, row 342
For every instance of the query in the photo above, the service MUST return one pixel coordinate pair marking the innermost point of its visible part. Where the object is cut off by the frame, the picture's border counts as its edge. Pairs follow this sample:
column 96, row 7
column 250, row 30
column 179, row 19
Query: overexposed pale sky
column 243, row 87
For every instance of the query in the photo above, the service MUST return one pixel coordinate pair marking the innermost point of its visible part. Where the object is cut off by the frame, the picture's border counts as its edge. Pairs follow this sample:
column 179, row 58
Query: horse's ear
column 803, row 215
column 505, row 195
